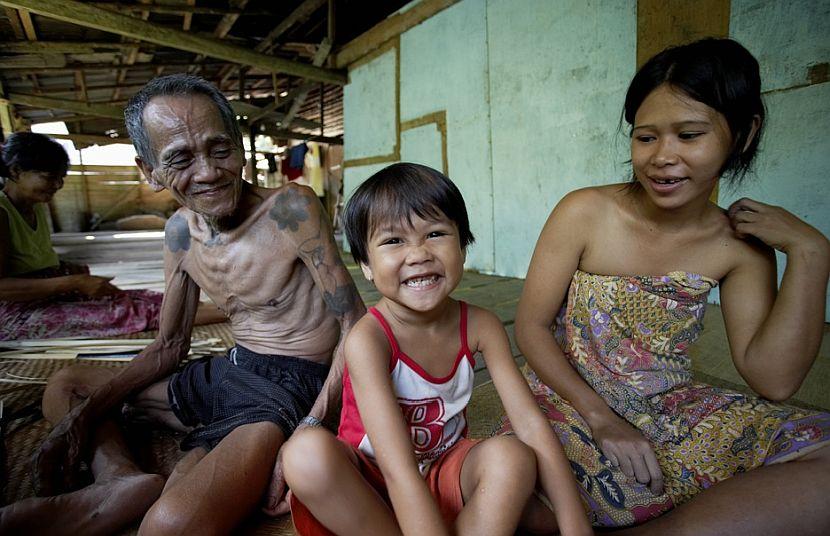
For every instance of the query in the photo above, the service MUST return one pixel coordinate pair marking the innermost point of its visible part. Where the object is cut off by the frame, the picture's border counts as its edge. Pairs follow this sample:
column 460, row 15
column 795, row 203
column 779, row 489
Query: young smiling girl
column 630, row 291
column 402, row 463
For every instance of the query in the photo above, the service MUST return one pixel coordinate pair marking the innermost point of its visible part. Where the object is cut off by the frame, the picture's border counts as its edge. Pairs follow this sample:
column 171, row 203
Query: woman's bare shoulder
column 736, row 252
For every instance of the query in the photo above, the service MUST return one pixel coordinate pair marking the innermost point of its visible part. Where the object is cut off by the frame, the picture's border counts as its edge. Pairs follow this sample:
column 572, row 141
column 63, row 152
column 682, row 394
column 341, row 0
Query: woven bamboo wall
column 110, row 192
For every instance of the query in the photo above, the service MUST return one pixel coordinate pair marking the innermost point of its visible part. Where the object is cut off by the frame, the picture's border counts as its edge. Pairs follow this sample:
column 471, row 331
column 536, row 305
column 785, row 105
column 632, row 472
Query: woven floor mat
column 156, row 451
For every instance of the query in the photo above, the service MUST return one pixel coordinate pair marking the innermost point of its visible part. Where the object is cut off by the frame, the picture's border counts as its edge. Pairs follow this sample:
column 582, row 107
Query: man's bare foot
column 101, row 508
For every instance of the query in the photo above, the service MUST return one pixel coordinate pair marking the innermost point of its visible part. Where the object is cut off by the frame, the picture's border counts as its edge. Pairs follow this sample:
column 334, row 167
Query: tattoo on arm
column 177, row 234
column 290, row 208
column 342, row 300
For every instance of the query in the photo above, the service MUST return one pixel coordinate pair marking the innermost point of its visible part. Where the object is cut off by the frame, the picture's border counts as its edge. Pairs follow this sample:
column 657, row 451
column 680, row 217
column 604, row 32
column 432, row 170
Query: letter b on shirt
column 424, row 417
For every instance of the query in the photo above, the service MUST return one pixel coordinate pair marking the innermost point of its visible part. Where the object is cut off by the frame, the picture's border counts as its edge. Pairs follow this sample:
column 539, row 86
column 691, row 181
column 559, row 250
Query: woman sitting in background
column 40, row 296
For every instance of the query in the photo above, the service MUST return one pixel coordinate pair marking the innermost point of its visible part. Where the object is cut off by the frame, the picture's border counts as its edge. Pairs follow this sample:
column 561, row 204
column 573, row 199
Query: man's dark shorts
column 220, row 393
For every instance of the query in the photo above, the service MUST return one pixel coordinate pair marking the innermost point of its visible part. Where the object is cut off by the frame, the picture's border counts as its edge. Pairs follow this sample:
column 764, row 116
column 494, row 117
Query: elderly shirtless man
column 267, row 258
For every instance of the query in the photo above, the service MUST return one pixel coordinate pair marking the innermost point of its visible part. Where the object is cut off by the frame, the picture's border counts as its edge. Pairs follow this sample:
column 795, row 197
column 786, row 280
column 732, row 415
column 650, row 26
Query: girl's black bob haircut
column 29, row 151
column 397, row 192
column 721, row 74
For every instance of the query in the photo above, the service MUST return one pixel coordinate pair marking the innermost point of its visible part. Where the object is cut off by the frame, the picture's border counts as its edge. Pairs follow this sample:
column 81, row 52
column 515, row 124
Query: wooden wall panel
column 664, row 23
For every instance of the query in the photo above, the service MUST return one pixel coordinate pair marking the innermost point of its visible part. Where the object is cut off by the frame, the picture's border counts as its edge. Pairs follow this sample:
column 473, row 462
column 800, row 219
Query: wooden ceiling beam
column 111, row 66
column 189, row 9
column 14, row 21
column 187, row 18
column 319, row 57
column 64, row 118
column 280, row 101
column 33, row 61
column 66, row 47
column 292, row 135
column 70, row 90
column 129, row 55
column 90, row 138
column 300, row 14
column 51, row 103
column 80, row 83
column 28, row 25
column 224, row 27
column 246, row 111
column 89, row 16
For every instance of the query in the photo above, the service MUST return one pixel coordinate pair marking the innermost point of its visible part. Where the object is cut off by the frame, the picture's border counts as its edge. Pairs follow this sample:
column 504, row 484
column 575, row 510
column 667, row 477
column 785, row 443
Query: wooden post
column 665, row 23
column 85, row 192
column 322, row 105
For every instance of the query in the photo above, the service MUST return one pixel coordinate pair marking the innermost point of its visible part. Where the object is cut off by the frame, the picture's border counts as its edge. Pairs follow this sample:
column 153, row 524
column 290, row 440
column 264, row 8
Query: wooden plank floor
column 135, row 259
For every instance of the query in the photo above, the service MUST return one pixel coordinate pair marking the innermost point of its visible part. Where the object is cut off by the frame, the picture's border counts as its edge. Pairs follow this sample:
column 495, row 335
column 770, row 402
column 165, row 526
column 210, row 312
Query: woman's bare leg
column 323, row 475
column 781, row 499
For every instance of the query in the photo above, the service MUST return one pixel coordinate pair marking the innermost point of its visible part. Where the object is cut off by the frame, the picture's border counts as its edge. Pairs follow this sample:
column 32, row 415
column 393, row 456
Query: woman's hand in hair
column 777, row 228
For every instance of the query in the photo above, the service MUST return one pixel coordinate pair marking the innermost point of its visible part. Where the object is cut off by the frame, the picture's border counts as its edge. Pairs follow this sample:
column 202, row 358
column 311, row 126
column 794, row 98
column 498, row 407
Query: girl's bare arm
column 531, row 426
column 367, row 358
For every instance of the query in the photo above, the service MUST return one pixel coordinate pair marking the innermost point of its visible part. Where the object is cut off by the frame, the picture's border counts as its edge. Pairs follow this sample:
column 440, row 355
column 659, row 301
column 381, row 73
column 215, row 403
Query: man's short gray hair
column 174, row 85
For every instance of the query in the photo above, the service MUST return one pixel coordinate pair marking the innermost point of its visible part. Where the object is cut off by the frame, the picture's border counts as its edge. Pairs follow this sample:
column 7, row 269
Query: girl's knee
column 309, row 458
column 506, row 458
column 515, row 455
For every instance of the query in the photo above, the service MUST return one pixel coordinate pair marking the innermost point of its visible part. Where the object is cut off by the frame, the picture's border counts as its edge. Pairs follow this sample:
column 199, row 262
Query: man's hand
column 57, row 461
column 627, row 449
column 276, row 499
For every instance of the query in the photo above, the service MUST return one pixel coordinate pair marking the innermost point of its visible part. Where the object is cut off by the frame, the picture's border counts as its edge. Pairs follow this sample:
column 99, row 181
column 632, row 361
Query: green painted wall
column 558, row 73
column 533, row 91
column 793, row 171
column 540, row 82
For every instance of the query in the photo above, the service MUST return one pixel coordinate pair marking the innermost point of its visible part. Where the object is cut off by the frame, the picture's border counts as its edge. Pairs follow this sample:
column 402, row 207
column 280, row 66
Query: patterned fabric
column 128, row 311
column 628, row 338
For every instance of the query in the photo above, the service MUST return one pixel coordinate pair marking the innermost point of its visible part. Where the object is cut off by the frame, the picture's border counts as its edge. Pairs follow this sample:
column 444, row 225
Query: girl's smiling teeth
column 421, row 281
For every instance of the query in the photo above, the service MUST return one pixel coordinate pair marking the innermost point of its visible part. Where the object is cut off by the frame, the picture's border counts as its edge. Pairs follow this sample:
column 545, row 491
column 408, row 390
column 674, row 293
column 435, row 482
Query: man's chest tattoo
column 215, row 238
column 290, row 208
column 177, row 234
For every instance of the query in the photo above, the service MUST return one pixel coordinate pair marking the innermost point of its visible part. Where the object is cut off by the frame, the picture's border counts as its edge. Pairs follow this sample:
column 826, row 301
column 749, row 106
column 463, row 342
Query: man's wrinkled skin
column 267, row 258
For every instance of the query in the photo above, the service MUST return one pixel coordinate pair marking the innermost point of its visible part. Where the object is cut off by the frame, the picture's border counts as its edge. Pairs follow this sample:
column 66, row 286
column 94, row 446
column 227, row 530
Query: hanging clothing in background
column 290, row 172
column 296, row 156
column 314, row 169
column 272, row 162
